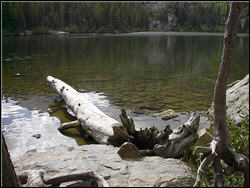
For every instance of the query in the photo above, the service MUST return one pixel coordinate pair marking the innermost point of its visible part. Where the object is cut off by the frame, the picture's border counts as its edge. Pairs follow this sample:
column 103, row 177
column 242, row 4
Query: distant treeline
column 74, row 17
column 112, row 17
column 208, row 16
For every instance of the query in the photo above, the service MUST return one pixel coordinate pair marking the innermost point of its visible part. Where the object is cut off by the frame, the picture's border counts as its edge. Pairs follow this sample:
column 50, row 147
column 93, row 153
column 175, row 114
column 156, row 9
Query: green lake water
column 152, row 70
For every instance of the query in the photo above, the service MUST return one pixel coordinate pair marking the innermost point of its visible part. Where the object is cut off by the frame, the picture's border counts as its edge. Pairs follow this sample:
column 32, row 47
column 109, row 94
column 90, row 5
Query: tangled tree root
column 211, row 157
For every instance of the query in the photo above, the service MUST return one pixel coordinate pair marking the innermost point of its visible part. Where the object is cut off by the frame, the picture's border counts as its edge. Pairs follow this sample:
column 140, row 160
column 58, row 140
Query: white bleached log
column 94, row 121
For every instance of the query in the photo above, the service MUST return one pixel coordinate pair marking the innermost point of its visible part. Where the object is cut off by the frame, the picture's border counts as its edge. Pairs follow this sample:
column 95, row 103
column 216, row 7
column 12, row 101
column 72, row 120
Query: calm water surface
column 151, row 70
column 155, row 71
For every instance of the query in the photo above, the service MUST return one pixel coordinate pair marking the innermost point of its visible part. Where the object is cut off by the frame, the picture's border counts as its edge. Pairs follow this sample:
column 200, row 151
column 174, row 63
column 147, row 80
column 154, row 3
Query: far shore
column 187, row 33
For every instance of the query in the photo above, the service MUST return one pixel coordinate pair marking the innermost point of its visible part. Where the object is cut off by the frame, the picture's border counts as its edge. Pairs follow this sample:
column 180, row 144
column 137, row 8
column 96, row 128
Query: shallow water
column 20, row 124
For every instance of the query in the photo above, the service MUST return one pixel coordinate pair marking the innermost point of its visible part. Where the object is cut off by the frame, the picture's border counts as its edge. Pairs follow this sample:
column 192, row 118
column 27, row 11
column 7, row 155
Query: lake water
column 153, row 71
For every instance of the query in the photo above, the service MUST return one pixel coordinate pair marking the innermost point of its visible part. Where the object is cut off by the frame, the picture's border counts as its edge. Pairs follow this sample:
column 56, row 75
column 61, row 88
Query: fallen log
column 92, row 120
column 106, row 130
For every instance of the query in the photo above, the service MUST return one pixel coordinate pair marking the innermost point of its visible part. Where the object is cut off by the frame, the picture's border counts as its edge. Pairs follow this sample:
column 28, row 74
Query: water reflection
column 19, row 125
column 155, row 71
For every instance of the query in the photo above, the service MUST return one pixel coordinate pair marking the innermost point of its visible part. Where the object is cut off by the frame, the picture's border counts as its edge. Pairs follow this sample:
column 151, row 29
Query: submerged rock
column 237, row 101
column 104, row 161
column 168, row 114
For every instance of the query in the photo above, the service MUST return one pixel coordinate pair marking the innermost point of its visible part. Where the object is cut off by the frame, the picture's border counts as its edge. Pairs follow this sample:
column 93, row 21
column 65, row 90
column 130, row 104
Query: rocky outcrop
column 105, row 162
column 237, row 100
column 177, row 16
column 161, row 8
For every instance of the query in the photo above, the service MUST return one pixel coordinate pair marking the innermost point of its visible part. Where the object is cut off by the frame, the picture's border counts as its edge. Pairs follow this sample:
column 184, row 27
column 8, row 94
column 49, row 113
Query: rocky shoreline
column 104, row 161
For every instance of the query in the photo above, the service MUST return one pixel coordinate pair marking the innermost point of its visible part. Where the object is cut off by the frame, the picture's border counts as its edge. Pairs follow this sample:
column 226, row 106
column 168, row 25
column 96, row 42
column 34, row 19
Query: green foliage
column 74, row 17
column 202, row 16
column 239, row 138
column 239, row 135
column 72, row 29
column 208, row 16
column 114, row 16
column 9, row 19
column 40, row 30
column 220, row 28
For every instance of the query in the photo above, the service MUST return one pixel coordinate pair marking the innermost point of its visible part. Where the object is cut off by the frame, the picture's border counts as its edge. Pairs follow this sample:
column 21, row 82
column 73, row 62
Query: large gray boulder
column 105, row 162
column 237, row 100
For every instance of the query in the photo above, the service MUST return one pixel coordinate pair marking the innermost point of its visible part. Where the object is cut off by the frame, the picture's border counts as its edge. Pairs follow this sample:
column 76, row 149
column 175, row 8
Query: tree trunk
column 230, row 36
column 220, row 148
column 9, row 177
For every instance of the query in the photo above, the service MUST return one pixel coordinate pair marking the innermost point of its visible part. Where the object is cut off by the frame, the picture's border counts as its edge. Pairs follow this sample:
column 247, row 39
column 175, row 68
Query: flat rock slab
column 104, row 161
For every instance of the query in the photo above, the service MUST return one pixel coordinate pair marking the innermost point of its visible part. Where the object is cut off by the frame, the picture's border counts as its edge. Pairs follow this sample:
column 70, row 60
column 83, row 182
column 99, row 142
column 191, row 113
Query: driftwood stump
column 166, row 143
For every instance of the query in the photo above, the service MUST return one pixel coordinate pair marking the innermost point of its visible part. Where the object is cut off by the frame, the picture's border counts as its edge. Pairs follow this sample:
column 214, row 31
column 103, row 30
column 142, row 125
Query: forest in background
column 117, row 17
